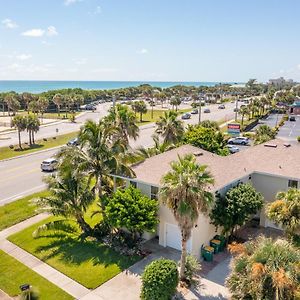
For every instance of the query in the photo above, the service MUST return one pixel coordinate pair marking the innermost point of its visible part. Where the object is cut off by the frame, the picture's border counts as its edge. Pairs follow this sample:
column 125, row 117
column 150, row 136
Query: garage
column 173, row 237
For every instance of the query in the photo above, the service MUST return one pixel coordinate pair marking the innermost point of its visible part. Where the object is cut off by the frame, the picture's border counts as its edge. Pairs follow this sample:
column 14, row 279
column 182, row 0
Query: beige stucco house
column 270, row 167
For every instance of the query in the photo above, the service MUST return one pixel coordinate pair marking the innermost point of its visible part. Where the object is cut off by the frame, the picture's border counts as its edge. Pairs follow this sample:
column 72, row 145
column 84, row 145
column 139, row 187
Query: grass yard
column 6, row 152
column 88, row 262
column 20, row 210
column 13, row 274
column 52, row 115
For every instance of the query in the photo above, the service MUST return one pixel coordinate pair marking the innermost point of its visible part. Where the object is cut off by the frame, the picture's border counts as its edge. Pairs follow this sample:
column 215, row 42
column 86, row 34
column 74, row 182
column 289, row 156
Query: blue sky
column 160, row 40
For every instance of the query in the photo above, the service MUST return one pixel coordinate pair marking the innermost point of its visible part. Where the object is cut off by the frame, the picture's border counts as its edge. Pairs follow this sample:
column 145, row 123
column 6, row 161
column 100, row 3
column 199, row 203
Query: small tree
column 159, row 280
column 263, row 134
column 131, row 209
column 286, row 211
column 236, row 207
column 141, row 108
column 19, row 122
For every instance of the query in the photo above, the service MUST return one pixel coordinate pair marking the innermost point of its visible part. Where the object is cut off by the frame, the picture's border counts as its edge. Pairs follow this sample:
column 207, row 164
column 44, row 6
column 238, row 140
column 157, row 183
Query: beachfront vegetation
column 264, row 269
column 263, row 134
column 14, row 274
column 184, row 191
column 235, row 208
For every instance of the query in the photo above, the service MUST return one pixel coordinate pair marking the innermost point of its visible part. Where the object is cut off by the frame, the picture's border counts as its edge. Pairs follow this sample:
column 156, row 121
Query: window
column 293, row 184
column 154, row 192
column 133, row 183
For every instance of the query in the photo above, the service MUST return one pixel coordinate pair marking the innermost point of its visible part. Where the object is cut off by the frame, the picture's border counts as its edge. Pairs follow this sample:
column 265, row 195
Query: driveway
column 127, row 285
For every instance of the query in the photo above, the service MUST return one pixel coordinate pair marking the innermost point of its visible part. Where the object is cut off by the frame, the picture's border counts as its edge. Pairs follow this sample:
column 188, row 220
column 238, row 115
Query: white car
column 233, row 149
column 49, row 165
column 240, row 140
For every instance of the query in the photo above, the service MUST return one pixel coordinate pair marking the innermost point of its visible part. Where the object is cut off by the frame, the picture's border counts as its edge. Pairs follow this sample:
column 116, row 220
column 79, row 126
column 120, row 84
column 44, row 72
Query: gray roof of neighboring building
column 281, row 161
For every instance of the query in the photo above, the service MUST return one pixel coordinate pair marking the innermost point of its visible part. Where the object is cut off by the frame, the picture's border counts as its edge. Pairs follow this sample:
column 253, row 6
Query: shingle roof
column 280, row 161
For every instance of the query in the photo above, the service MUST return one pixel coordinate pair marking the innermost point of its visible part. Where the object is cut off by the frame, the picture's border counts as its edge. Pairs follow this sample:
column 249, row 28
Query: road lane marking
column 18, row 175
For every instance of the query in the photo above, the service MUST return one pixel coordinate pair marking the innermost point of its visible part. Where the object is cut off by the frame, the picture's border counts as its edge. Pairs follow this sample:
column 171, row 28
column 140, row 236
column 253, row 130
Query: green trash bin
column 222, row 239
column 207, row 253
column 216, row 244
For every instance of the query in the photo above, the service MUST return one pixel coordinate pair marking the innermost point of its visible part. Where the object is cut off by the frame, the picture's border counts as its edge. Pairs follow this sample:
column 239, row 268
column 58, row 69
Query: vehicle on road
column 49, row 165
column 90, row 107
column 73, row 142
column 292, row 118
column 240, row 140
column 194, row 112
column 206, row 110
column 236, row 110
column 221, row 106
column 233, row 149
column 186, row 116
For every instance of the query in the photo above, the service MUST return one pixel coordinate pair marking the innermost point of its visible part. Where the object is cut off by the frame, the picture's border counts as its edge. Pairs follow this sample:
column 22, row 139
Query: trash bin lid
column 208, row 248
column 216, row 242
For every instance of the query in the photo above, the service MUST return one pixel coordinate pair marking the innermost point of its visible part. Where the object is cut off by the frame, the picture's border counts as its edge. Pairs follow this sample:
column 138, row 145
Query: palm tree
column 100, row 154
column 12, row 102
column 141, row 108
column 43, row 104
column 152, row 104
column 123, row 118
column 27, row 98
column 169, row 127
column 286, row 211
column 263, row 134
column 32, row 126
column 70, row 196
column 79, row 100
column 184, row 191
column 19, row 122
column 58, row 101
column 264, row 269
column 175, row 101
column 244, row 111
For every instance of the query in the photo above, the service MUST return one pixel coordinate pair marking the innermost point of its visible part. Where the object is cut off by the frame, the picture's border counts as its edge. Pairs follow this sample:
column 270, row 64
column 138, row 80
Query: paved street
column 290, row 130
column 22, row 176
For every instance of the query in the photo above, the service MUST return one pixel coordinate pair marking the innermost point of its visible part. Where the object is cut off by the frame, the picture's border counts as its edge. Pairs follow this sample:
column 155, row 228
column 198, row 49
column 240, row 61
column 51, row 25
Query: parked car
column 221, row 106
column 240, row 140
column 194, row 112
column 206, row 110
column 90, row 107
column 292, row 118
column 186, row 116
column 73, row 142
column 233, row 149
column 236, row 110
column 49, row 165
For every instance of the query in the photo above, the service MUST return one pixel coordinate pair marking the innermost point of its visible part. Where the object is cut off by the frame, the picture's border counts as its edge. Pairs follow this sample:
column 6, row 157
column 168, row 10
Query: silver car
column 233, row 149
column 49, row 165
column 240, row 140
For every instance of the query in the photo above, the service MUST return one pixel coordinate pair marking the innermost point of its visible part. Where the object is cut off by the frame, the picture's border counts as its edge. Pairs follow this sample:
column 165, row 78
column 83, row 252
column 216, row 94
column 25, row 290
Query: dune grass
column 14, row 274
column 20, row 210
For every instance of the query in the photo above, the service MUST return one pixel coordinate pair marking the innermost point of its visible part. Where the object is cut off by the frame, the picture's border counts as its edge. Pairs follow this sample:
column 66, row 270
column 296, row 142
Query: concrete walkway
column 64, row 282
column 4, row 296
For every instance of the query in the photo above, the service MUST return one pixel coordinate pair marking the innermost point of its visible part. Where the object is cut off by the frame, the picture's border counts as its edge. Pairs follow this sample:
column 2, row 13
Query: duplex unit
column 270, row 167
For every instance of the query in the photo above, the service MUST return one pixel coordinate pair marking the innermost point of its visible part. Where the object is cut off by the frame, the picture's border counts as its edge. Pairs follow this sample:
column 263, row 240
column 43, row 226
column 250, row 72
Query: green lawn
column 17, row 211
column 13, row 274
column 6, row 152
column 52, row 115
column 88, row 262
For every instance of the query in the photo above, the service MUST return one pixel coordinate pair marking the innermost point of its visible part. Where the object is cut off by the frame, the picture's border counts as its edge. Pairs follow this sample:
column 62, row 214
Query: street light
column 199, row 117
column 236, row 108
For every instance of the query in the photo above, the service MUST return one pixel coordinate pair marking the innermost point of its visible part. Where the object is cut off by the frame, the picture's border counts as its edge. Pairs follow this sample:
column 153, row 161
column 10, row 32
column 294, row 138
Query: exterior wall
column 269, row 186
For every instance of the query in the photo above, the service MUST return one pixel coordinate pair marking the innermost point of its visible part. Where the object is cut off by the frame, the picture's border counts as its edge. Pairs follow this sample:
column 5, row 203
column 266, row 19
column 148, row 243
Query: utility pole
column 199, row 119
column 236, row 109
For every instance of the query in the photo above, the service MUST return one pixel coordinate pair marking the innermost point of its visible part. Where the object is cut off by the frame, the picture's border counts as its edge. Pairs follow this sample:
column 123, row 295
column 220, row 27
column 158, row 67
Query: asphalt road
column 290, row 130
column 22, row 176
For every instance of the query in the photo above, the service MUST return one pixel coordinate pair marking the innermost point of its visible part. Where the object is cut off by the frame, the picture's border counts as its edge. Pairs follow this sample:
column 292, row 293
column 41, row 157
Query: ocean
column 36, row 86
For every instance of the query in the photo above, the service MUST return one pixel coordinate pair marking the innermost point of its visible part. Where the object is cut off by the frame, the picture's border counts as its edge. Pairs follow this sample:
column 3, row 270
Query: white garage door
column 271, row 224
column 173, row 238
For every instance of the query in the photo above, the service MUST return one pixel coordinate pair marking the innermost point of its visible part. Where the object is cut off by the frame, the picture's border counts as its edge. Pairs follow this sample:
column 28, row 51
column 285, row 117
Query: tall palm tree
column 100, row 154
column 141, row 108
column 27, row 98
column 244, row 110
column 43, row 104
column 286, row 211
column 12, row 102
column 169, row 127
column 70, row 196
column 32, row 126
column 123, row 118
column 19, row 122
column 184, row 191
column 58, row 101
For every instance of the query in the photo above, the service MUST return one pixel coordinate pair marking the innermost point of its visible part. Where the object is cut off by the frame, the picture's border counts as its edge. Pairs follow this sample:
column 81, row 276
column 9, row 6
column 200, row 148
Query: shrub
column 159, row 280
column 11, row 146
column 192, row 266
column 298, row 138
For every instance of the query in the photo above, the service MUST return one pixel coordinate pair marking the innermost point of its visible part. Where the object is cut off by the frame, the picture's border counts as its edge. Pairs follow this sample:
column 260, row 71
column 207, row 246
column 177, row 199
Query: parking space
column 290, row 130
column 272, row 121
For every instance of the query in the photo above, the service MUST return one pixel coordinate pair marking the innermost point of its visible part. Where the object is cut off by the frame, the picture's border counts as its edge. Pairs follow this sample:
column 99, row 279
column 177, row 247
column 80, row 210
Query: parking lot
column 290, row 130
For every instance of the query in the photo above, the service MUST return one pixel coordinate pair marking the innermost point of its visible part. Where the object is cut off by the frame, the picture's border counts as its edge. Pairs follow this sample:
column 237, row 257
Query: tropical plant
column 285, row 211
column 209, row 139
column 70, row 196
column 264, row 269
column 263, row 134
column 244, row 111
column 12, row 102
column 132, row 210
column 43, row 104
column 27, row 98
column 32, row 126
column 184, row 191
column 175, row 102
column 19, row 122
column 58, row 101
column 210, row 124
column 238, row 205
column 192, row 267
column 141, row 108
column 123, row 118
column 169, row 127
column 159, row 280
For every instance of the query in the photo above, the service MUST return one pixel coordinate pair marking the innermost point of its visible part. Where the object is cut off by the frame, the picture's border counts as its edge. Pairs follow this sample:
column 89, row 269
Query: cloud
column 8, row 23
column 23, row 56
column 81, row 61
column 34, row 32
column 51, row 31
column 69, row 2
column 142, row 51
